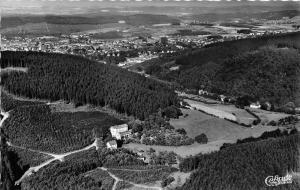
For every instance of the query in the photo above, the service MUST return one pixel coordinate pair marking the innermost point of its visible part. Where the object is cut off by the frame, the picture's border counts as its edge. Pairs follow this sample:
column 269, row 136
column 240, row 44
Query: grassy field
column 267, row 116
column 197, row 122
column 218, row 131
column 194, row 149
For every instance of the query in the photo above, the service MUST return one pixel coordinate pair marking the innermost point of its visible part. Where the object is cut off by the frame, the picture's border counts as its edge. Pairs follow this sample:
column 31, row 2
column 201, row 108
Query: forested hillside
column 244, row 166
column 7, row 176
column 266, row 68
column 72, row 78
column 57, row 132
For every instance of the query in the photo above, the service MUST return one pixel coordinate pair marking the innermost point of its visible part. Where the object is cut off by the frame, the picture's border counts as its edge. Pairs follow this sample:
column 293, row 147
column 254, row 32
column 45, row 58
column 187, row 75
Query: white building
column 117, row 130
column 112, row 144
column 255, row 105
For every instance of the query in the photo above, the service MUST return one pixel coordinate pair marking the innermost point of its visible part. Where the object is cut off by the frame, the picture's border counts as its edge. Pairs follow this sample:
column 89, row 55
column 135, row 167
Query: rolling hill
column 82, row 81
column 265, row 68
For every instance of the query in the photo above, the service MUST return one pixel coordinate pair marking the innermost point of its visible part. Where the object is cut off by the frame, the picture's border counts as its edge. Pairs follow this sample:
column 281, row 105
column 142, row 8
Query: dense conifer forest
column 265, row 68
column 6, row 166
column 244, row 166
column 36, row 127
column 72, row 173
column 72, row 78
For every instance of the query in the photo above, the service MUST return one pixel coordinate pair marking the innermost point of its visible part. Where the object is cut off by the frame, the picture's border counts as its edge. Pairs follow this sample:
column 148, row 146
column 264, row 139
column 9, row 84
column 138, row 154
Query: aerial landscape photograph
column 149, row 95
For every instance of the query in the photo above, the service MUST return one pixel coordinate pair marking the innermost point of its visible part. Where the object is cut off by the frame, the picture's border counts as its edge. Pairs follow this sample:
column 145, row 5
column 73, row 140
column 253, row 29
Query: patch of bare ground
column 180, row 179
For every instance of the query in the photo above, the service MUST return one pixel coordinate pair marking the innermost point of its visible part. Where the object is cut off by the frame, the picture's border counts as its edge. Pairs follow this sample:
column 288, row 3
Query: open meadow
column 267, row 116
column 218, row 131
column 197, row 122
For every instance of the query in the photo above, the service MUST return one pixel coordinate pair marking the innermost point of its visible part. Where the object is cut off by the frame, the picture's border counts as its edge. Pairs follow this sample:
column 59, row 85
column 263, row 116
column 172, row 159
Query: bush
column 272, row 123
column 181, row 131
column 202, row 139
column 171, row 112
column 167, row 181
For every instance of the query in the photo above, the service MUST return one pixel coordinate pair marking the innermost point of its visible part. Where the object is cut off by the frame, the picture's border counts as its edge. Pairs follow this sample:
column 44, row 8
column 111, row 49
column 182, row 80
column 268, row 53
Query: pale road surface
column 59, row 157
column 5, row 116
column 15, row 69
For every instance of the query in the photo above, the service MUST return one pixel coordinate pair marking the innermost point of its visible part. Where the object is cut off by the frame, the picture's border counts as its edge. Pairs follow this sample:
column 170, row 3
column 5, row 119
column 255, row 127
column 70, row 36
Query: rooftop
column 125, row 132
column 119, row 126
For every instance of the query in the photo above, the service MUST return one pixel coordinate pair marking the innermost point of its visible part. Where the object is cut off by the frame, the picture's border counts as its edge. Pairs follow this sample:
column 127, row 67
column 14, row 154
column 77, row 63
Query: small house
column 202, row 92
column 222, row 98
column 112, row 144
column 255, row 105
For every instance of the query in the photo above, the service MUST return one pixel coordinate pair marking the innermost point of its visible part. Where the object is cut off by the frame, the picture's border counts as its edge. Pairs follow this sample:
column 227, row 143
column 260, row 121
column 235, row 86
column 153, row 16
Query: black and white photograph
column 149, row 95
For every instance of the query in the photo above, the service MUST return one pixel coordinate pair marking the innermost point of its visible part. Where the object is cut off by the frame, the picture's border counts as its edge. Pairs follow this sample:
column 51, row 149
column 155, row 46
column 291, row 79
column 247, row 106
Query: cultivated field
column 211, row 110
column 223, row 111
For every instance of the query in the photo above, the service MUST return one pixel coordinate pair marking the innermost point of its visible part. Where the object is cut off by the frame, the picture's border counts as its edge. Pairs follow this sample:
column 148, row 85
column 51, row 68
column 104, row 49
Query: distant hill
column 265, row 68
column 269, row 15
column 137, row 19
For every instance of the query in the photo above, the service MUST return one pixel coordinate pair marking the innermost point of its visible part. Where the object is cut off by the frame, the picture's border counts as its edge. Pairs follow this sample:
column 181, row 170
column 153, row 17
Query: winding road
column 59, row 157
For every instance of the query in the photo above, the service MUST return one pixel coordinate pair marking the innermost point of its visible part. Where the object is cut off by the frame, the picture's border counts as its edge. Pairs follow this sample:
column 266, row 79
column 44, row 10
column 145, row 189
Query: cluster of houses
column 118, row 132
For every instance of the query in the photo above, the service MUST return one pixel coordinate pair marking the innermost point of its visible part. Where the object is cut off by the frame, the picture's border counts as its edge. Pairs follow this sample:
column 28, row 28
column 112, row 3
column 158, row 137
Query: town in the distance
column 163, row 95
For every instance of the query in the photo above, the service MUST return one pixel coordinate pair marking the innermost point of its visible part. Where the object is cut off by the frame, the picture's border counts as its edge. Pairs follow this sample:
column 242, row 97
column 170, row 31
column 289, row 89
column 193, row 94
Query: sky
column 69, row 6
